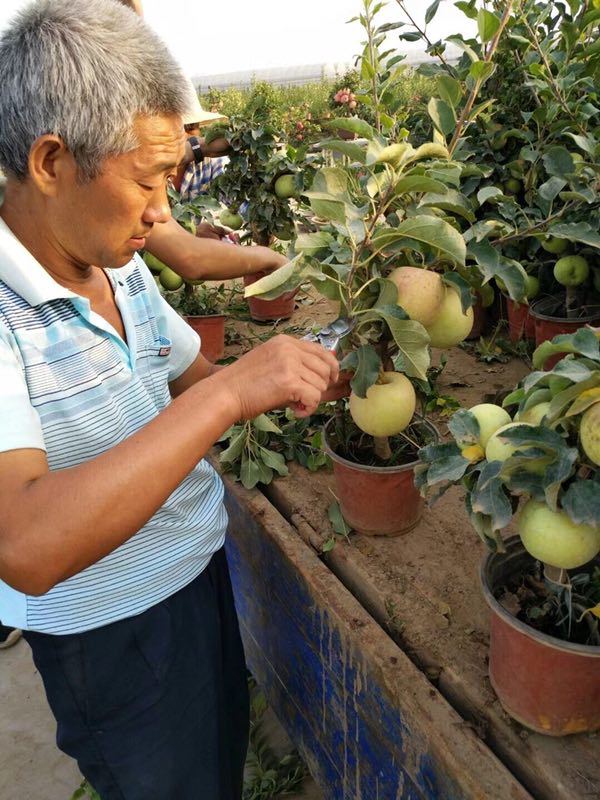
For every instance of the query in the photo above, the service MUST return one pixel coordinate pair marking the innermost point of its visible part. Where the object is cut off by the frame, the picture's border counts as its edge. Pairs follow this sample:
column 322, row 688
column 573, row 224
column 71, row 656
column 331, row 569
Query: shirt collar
column 26, row 276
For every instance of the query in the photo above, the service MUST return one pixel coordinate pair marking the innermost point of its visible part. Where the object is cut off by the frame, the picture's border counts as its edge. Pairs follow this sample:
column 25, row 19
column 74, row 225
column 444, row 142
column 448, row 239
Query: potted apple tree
column 391, row 268
column 538, row 471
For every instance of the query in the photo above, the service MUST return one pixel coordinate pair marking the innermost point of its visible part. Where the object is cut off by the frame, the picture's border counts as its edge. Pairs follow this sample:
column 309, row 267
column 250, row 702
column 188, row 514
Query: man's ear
column 50, row 163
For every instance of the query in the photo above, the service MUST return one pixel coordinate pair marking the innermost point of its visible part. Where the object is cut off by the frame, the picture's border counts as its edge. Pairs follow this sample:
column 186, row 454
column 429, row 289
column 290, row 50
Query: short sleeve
column 21, row 427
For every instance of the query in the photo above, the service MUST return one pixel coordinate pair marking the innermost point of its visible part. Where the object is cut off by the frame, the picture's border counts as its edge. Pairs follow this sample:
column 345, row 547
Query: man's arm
column 53, row 524
column 217, row 148
column 196, row 258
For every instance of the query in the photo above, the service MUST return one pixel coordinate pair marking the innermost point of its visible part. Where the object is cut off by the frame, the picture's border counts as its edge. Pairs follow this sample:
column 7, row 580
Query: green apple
column 170, row 280
column 388, row 407
column 551, row 244
column 532, row 287
column 589, row 433
column 490, row 418
column 450, row 326
column 285, row 187
column 153, row 263
column 420, row 292
column 571, row 270
column 231, row 220
column 553, row 538
column 496, row 449
column 513, row 186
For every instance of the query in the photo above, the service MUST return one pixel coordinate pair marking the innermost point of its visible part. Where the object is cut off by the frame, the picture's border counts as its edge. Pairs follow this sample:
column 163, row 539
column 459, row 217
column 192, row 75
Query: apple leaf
column 584, row 342
column 581, row 502
column 585, row 400
column 461, row 287
column 484, row 527
column 338, row 523
column 274, row 461
column 431, row 150
column 234, row 451
column 558, row 162
column 487, row 25
column 354, row 125
column 482, row 70
column 331, row 210
column 576, row 232
column 442, row 115
column 564, row 398
column 489, row 193
column 263, row 423
column 450, row 89
column 354, row 151
column 419, row 183
column 366, row 365
column 410, row 337
column 311, row 243
column 452, row 201
column 489, row 497
column 442, row 462
column 276, row 281
column 333, row 182
column 464, row 426
column 438, row 234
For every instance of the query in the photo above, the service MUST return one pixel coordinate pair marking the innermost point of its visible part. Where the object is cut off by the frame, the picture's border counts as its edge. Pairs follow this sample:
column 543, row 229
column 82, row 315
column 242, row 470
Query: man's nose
column 158, row 209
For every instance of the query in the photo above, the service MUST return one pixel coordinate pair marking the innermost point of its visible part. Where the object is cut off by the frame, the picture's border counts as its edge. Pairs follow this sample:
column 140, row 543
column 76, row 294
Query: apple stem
column 572, row 305
column 382, row 448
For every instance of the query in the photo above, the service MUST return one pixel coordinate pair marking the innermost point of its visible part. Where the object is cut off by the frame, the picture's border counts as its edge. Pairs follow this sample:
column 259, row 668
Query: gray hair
column 83, row 71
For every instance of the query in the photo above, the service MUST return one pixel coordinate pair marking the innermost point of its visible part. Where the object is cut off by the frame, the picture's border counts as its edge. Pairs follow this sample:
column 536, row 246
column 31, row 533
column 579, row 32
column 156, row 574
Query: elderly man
column 111, row 522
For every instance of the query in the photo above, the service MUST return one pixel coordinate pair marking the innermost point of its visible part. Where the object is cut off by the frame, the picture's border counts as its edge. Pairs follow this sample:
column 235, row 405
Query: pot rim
column 593, row 313
column 219, row 315
column 365, row 467
column 513, row 543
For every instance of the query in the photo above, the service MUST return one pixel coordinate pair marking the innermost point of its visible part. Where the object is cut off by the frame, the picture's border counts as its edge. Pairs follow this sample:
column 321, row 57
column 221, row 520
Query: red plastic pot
column 269, row 310
column 521, row 324
column 479, row 319
column 546, row 684
column 377, row 501
column 211, row 329
column 548, row 325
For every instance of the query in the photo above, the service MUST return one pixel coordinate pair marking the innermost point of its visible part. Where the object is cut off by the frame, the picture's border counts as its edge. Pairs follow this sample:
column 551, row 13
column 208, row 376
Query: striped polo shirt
column 71, row 386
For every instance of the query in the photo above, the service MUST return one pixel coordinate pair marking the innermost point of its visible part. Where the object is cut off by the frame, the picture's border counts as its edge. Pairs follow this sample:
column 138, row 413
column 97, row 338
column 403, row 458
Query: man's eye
column 147, row 187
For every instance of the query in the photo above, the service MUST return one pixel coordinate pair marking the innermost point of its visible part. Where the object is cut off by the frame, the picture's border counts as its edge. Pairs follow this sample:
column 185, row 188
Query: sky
column 234, row 35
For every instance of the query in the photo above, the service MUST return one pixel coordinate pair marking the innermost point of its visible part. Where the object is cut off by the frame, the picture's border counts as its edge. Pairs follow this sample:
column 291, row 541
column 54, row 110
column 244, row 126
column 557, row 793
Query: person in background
column 112, row 522
column 207, row 256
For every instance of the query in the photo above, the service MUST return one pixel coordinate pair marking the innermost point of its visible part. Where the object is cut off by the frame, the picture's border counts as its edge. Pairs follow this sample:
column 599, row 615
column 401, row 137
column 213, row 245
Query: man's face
column 103, row 222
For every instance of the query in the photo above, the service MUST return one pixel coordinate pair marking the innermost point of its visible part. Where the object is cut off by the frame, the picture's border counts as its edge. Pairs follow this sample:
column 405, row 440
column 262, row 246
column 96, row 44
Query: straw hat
column 196, row 113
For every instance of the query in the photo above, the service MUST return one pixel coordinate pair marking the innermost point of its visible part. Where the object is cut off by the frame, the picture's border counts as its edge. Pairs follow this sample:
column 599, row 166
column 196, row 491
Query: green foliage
column 258, row 449
column 204, row 299
column 521, row 114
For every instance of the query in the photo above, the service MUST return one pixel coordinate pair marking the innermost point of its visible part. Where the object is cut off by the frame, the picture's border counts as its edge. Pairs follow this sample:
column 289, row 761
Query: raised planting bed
column 366, row 719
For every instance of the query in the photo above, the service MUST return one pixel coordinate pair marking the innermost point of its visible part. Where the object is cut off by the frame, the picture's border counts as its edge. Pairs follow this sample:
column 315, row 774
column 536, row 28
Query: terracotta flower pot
column 268, row 310
column 211, row 329
column 548, row 324
column 547, row 684
column 521, row 325
column 377, row 501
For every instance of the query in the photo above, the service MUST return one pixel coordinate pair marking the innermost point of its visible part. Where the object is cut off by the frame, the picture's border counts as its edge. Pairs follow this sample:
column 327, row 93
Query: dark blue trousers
column 155, row 707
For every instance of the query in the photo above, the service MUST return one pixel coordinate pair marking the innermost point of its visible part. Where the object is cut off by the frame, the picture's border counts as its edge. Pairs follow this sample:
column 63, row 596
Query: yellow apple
column 388, row 407
column 450, row 326
column 496, row 449
column 420, row 292
column 553, row 537
column 535, row 414
column 490, row 418
column 589, row 433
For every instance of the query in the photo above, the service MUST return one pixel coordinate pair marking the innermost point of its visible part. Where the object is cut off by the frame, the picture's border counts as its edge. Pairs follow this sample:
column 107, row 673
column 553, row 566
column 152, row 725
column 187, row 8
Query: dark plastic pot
column 521, row 324
column 377, row 501
column 546, row 684
column 548, row 325
column 269, row 310
column 211, row 329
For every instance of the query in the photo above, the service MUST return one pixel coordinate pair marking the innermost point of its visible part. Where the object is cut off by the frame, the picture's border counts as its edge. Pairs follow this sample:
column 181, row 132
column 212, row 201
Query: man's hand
column 282, row 372
column 215, row 148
